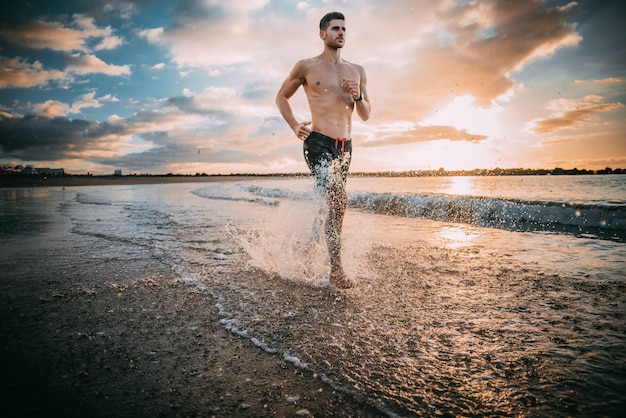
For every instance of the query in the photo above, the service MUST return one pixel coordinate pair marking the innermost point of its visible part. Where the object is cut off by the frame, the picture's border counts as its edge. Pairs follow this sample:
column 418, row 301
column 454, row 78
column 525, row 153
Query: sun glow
column 456, row 236
column 460, row 155
column 461, row 186
column 462, row 113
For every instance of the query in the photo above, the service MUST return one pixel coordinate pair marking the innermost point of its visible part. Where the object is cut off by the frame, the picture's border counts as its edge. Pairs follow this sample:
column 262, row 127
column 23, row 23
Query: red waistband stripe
column 343, row 143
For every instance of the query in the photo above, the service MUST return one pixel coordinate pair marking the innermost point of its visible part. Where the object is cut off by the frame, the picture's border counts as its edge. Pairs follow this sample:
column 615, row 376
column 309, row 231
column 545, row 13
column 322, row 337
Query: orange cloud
column 39, row 34
column 480, row 45
column 424, row 134
column 609, row 80
column 86, row 64
column 51, row 109
column 571, row 114
column 16, row 72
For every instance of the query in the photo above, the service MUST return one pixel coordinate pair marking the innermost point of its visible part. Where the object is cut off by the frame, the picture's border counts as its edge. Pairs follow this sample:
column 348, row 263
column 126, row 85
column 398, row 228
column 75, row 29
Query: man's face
column 335, row 34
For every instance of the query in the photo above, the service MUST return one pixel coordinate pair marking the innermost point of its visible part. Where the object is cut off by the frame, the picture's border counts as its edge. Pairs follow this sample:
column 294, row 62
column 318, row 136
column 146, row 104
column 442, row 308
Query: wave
column 590, row 221
column 599, row 221
column 212, row 194
column 92, row 199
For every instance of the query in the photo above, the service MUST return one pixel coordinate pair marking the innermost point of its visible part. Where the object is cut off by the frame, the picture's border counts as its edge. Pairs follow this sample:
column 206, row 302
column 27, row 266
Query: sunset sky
column 189, row 86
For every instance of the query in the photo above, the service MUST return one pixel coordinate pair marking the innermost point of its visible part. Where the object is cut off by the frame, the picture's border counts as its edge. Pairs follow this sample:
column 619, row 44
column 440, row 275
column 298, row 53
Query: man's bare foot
column 339, row 279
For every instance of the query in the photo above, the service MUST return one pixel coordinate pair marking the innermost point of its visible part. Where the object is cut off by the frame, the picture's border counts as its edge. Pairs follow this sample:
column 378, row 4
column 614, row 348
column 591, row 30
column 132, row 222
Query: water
column 498, row 296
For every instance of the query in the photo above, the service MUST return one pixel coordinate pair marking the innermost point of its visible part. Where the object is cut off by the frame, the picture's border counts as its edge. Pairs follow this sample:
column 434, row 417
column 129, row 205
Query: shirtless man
column 334, row 88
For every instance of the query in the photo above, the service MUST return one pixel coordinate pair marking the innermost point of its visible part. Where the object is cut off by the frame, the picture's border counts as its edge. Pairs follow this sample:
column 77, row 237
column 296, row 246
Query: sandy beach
column 141, row 350
column 192, row 298
column 84, row 335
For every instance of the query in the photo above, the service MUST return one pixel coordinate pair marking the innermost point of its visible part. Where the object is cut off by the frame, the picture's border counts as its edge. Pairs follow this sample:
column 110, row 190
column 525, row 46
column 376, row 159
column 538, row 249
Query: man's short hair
column 328, row 17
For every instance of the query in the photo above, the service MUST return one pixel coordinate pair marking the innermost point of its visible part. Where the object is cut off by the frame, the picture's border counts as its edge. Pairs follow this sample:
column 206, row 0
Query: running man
column 334, row 88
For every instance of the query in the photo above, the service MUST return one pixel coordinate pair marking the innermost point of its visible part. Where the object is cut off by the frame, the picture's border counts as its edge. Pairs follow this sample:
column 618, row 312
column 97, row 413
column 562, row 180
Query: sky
column 189, row 86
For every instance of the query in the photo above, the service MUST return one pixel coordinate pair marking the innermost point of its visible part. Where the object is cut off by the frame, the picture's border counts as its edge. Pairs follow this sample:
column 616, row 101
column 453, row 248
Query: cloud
column 89, row 100
column 226, row 37
column 40, row 34
column 51, row 109
column 174, row 154
column 153, row 35
column 17, row 72
column 35, row 137
column 485, row 43
column 395, row 135
column 77, row 40
column 110, row 42
column 571, row 113
column 87, row 64
column 604, row 81
column 126, row 9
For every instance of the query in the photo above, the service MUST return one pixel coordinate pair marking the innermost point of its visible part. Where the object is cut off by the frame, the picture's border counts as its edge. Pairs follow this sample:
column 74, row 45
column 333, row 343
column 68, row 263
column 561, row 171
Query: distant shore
column 22, row 180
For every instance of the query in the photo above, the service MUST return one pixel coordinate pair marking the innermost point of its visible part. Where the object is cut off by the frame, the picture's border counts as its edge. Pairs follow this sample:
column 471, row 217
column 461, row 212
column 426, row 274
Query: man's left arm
column 363, row 107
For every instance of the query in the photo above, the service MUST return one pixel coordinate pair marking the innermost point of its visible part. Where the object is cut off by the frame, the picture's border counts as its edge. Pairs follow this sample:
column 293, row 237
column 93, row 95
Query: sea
column 475, row 296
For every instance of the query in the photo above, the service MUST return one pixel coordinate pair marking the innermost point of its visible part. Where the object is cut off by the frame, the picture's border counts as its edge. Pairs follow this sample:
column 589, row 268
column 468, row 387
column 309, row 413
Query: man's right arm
column 289, row 87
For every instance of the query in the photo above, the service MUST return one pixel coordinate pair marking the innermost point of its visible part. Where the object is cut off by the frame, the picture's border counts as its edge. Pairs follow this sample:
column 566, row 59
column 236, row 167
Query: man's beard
column 335, row 45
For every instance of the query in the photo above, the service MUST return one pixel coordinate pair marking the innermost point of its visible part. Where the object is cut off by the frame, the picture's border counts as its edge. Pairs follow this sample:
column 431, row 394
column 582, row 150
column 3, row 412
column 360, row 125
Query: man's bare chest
column 325, row 79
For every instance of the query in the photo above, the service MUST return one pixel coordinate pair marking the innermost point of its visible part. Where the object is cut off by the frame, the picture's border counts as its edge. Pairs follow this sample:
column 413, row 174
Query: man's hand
column 302, row 130
column 351, row 86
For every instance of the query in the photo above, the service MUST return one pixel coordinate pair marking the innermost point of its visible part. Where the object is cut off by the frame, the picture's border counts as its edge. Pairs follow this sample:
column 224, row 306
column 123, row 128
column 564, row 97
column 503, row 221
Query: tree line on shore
column 494, row 172
column 441, row 172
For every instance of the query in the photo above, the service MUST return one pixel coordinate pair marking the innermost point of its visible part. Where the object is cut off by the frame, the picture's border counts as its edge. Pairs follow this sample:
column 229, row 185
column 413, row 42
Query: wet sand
column 95, row 323
column 84, row 334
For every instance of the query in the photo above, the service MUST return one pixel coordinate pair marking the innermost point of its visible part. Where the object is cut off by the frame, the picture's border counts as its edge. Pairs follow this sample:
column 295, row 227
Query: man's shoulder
column 308, row 66
column 309, row 62
column 351, row 64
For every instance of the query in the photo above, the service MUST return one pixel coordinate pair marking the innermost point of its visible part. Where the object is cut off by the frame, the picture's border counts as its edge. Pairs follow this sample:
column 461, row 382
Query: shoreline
column 84, row 334
column 70, row 181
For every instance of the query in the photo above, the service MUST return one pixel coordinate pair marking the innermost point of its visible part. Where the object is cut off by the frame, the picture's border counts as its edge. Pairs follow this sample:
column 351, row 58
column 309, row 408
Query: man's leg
column 337, row 205
column 331, row 172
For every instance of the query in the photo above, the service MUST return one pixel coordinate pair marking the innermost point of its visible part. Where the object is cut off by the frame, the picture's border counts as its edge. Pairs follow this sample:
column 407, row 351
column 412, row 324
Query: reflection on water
column 461, row 186
column 456, row 236
column 28, row 210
